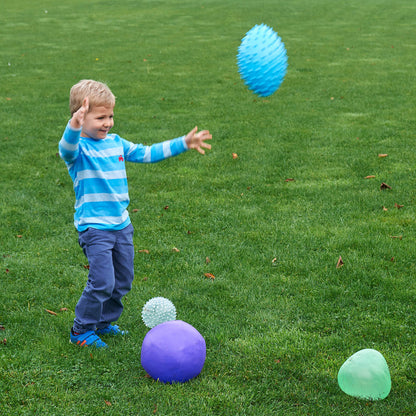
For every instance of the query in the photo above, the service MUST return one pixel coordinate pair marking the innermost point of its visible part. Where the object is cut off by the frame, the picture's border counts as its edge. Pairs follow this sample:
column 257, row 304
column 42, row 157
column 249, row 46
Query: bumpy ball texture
column 262, row 60
column 173, row 352
column 365, row 375
column 158, row 310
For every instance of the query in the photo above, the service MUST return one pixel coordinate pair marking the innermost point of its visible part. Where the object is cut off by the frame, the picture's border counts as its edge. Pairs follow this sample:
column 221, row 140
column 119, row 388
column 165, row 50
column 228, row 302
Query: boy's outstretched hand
column 78, row 117
column 196, row 140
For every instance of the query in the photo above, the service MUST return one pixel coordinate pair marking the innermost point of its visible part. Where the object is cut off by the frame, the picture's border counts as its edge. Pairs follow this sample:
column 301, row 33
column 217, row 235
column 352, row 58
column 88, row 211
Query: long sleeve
column 139, row 153
column 97, row 169
column 69, row 144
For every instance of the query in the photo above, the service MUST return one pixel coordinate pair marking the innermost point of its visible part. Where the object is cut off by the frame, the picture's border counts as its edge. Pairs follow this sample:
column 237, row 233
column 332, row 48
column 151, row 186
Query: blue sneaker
column 87, row 339
column 111, row 330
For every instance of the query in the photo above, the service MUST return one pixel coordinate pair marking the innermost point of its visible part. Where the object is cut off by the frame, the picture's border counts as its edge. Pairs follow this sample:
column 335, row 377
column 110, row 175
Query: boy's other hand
column 196, row 140
column 78, row 118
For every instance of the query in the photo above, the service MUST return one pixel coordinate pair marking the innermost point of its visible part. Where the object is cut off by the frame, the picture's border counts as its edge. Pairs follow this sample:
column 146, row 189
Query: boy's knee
column 101, row 288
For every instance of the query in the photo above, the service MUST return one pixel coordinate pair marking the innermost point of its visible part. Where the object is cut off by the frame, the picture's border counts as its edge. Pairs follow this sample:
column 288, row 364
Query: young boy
column 96, row 163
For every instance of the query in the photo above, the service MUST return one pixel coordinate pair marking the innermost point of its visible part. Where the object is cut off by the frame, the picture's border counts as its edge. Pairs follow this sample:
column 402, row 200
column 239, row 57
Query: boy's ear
column 86, row 103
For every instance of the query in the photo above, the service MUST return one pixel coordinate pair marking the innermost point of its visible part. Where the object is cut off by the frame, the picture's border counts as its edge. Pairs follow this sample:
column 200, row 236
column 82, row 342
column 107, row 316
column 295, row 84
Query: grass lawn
column 280, row 318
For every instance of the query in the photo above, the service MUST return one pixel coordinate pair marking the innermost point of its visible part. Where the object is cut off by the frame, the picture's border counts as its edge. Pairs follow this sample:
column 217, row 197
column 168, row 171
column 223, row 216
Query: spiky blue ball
column 158, row 310
column 262, row 60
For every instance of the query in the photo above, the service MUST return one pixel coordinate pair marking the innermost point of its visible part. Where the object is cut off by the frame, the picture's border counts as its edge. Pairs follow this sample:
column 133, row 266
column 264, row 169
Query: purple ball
column 173, row 352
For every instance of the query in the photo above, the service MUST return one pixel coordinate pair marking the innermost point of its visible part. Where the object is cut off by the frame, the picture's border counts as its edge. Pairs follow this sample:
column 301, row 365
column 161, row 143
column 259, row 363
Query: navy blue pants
column 110, row 256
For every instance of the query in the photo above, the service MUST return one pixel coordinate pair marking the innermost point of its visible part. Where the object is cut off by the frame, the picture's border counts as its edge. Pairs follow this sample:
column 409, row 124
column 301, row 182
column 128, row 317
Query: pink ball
column 173, row 351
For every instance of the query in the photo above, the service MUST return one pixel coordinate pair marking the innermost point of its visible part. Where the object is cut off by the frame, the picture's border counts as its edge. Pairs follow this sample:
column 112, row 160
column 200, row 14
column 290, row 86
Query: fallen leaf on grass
column 207, row 260
column 51, row 312
column 235, row 156
column 86, row 266
column 370, row 177
column 63, row 309
column 107, row 402
column 399, row 237
column 135, row 210
column 4, row 341
column 382, row 155
column 289, row 180
column 209, row 276
column 340, row 263
column 274, row 261
column 175, row 250
column 385, row 209
column 144, row 251
column 384, row 186
column 398, row 206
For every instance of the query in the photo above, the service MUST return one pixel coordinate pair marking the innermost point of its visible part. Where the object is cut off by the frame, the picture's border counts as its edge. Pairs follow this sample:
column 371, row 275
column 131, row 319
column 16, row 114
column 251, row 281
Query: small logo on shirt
column 120, row 158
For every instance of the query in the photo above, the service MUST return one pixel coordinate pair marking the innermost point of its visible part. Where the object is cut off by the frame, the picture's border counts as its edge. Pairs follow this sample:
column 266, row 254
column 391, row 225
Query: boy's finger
column 205, row 135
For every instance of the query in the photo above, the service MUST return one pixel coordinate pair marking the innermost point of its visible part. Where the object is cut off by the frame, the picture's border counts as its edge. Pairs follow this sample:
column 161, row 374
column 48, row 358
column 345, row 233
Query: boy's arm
column 157, row 152
column 69, row 144
column 161, row 151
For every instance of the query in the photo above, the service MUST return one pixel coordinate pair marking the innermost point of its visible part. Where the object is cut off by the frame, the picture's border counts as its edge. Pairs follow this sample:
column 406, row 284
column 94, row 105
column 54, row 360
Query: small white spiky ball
column 158, row 310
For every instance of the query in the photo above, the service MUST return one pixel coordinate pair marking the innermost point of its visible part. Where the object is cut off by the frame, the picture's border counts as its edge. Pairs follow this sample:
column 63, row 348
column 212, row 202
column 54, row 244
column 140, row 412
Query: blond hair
column 97, row 92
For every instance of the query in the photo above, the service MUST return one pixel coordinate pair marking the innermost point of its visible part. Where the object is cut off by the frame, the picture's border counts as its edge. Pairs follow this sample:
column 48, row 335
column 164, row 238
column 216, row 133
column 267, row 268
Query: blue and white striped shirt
column 97, row 168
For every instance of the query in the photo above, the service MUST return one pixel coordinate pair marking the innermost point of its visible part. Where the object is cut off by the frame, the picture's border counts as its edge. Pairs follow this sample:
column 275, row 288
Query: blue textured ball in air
column 158, row 310
column 262, row 60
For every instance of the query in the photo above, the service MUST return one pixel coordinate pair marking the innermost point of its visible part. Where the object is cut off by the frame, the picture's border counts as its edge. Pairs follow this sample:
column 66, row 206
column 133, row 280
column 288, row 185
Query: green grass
column 279, row 319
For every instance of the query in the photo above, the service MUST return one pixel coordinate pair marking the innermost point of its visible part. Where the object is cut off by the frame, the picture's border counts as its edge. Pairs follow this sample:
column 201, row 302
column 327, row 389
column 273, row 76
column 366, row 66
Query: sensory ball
column 173, row 352
column 158, row 310
column 365, row 375
column 262, row 60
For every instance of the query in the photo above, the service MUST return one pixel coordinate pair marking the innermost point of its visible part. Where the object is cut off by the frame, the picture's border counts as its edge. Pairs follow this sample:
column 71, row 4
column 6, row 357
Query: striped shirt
column 97, row 168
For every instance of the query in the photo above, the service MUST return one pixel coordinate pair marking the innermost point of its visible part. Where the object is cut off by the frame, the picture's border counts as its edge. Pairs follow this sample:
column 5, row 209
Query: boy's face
column 98, row 122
